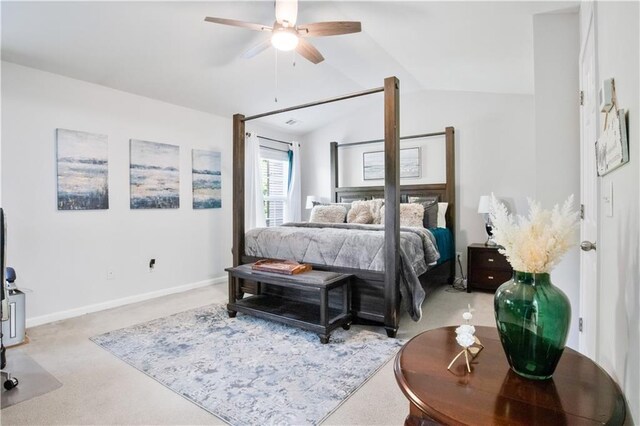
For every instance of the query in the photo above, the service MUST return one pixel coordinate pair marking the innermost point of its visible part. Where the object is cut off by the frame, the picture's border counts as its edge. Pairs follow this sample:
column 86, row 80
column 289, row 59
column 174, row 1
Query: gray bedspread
column 350, row 246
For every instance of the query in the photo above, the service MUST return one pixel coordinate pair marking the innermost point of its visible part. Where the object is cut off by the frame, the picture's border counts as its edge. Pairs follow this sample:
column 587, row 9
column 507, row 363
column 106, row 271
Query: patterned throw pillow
column 328, row 214
column 430, row 205
column 411, row 214
column 360, row 212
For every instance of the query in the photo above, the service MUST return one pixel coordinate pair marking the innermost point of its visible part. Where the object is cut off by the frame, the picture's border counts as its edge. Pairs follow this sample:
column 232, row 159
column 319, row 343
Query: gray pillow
column 430, row 204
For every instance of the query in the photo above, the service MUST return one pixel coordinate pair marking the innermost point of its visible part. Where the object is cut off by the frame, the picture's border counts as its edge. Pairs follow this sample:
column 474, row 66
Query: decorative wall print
column 373, row 164
column 83, row 174
column 206, row 179
column 612, row 147
column 155, row 175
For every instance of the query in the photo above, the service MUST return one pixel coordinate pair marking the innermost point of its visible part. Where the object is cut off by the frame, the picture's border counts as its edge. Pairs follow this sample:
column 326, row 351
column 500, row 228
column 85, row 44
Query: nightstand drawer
column 489, row 259
column 489, row 279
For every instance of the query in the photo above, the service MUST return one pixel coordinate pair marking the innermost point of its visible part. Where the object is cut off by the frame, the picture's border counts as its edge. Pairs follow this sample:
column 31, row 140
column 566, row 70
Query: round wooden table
column 579, row 392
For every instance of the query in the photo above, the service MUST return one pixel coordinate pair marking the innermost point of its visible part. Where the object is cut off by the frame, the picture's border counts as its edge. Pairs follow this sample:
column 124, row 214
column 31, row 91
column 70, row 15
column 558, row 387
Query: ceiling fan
column 286, row 35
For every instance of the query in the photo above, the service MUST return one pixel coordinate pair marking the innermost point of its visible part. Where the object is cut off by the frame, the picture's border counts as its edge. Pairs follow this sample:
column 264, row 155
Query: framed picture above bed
column 373, row 164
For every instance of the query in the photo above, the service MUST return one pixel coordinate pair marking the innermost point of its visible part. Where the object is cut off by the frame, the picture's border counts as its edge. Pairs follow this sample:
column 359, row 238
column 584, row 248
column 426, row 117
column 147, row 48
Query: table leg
column 417, row 417
column 232, row 296
column 324, row 308
column 346, row 302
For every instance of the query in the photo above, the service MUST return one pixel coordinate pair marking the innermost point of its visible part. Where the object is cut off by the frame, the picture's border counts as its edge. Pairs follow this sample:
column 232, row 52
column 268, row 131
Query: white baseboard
column 61, row 315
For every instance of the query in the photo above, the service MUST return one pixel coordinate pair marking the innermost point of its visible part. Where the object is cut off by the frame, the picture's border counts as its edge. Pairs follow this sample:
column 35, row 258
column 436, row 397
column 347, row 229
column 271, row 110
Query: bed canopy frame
column 389, row 293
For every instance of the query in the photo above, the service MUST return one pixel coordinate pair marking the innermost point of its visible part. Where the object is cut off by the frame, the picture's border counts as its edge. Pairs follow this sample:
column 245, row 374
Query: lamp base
column 490, row 242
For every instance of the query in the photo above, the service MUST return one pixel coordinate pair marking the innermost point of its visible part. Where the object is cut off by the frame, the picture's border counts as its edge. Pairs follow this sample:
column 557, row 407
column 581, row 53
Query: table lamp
column 311, row 199
column 484, row 208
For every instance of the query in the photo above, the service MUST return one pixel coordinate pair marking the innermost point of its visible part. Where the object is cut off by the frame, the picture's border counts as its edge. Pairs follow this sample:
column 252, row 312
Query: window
column 274, row 167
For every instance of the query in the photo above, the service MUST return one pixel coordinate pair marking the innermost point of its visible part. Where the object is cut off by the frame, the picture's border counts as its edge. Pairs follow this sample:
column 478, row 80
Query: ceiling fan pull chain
column 276, row 75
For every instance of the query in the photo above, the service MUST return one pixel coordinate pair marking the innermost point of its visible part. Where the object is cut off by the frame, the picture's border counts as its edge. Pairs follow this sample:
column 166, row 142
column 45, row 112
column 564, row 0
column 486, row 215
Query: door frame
column 588, row 336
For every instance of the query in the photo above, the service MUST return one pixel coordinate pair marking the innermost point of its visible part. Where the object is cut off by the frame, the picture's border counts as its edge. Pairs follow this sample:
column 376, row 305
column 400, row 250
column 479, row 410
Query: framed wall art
column 373, row 164
column 206, row 179
column 612, row 147
column 154, row 175
column 83, row 172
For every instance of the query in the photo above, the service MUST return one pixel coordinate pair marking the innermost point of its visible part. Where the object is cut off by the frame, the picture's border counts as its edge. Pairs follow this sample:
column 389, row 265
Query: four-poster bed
column 375, row 294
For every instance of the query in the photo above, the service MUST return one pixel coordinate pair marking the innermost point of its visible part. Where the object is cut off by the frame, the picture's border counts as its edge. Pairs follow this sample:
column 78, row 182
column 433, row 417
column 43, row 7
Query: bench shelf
column 319, row 318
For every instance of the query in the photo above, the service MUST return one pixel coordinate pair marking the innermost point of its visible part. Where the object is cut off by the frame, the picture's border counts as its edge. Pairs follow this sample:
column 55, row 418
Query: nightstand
column 486, row 268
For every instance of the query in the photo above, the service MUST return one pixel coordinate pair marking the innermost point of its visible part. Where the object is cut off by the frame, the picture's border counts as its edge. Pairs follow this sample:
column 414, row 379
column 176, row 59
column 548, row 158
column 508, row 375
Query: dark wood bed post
column 392, row 204
column 451, row 194
column 334, row 171
column 238, row 194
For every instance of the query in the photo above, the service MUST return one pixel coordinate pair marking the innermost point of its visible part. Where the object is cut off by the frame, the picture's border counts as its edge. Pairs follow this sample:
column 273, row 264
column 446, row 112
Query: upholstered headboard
column 347, row 195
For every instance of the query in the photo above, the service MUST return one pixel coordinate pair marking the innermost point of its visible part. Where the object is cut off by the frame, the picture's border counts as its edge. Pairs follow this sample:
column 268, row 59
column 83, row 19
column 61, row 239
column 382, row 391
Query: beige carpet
column 98, row 388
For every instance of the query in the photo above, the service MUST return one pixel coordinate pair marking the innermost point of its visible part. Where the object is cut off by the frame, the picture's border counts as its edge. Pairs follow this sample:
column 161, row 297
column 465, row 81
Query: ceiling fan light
column 284, row 40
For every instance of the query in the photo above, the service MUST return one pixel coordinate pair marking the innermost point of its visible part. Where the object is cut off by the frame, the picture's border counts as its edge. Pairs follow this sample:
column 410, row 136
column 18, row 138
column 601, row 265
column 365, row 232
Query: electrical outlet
column 458, row 254
column 152, row 265
column 110, row 274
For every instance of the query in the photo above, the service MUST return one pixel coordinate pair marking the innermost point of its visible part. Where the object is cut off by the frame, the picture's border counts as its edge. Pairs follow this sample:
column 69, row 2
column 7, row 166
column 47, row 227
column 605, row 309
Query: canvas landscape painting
column 155, row 175
column 373, row 164
column 83, row 174
column 206, row 179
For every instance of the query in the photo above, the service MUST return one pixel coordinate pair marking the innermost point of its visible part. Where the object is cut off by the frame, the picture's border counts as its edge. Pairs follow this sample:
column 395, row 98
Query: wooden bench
column 321, row 319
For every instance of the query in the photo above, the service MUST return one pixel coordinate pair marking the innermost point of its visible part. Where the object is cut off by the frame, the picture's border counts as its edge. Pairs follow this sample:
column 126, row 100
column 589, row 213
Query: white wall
column 63, row 256
column 557, row 134
column 494, row 148
column 618, row 345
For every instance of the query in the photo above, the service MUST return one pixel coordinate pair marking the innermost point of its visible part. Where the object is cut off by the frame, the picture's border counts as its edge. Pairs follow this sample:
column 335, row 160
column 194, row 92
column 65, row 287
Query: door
column 589, row 278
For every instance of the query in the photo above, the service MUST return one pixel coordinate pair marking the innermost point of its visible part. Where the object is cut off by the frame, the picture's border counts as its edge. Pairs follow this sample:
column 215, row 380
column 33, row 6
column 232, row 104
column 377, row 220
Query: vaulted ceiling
column 164, row 50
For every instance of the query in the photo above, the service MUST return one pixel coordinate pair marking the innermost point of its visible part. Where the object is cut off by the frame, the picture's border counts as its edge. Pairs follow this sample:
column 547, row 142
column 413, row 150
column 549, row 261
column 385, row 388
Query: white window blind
column 274, row 165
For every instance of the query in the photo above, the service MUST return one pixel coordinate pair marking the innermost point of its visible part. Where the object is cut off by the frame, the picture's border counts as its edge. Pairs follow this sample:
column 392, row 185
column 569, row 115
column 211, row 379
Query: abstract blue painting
column 154, row 175
column 373, row 164
column 207, row 183
column 83, row 174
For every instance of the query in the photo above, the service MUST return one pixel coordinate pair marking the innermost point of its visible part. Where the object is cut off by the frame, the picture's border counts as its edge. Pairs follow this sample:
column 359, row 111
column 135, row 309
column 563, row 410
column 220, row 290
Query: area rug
column 249, row 371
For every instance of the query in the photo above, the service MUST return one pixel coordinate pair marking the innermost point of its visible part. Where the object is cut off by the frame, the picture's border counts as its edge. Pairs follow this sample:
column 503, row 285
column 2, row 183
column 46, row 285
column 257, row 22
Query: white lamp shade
column 310, row 200
column 484, row 206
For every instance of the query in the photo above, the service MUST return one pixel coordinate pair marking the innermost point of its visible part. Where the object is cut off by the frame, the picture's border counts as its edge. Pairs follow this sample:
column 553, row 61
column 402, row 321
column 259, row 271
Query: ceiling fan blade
column 323, row 29
column 257, row 49
column 306, row 50
column 287, row 12
column 236, row 23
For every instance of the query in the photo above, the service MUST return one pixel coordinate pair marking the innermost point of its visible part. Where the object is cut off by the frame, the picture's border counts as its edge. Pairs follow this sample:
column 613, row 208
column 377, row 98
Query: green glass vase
column 533, row 317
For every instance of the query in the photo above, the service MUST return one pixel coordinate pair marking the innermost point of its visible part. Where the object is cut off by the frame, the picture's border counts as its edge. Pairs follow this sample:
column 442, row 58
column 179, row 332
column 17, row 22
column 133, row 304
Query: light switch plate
column 608, row 200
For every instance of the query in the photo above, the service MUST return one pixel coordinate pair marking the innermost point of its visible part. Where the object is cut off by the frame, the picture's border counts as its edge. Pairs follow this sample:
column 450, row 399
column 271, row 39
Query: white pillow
column 442, row 210
column 376, row 206
column 328, row 214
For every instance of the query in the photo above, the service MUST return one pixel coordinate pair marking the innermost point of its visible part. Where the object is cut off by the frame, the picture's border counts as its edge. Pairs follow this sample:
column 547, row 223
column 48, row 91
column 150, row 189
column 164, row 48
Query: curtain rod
column 423, row 135
column 270, row 139
column 325, row 101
